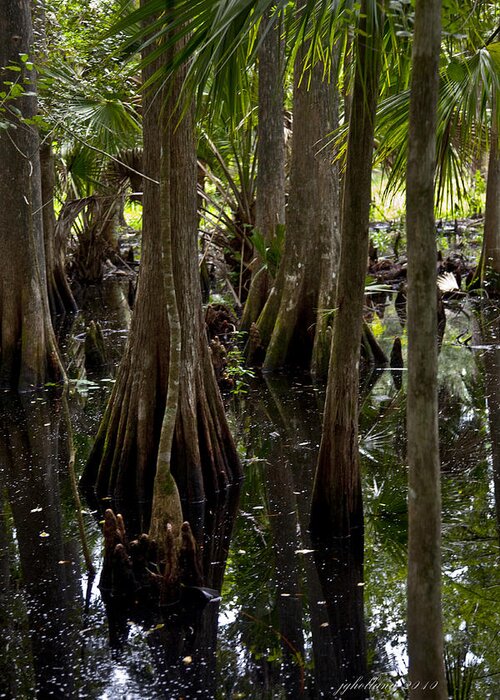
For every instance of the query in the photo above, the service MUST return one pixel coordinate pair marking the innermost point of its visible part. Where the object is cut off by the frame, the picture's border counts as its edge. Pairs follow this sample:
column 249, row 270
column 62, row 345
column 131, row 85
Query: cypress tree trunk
column 61, row 300
column 425, row 635
column 124, row 457
column 336, row 503
column 336, row 508
column 29, row 355
column 270, row 202
column 305, row 280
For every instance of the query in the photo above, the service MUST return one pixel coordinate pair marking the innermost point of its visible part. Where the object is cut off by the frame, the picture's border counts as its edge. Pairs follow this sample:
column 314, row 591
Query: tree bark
column 305, row 283
column 425, row 635
column 336, row 509
column 204, row 458
column 29, row 355
column 489, row 264
column 270, row 201
column 166, row 507
column 61, row 300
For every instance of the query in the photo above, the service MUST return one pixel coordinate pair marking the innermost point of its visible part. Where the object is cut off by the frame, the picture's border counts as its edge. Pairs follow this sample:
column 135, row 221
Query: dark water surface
column 269, row 634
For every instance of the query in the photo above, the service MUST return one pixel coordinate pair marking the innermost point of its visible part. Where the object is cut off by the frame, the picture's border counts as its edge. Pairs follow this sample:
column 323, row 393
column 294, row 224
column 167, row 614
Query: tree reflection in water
column 182, row 635
column 280, row 630
column 49, row 566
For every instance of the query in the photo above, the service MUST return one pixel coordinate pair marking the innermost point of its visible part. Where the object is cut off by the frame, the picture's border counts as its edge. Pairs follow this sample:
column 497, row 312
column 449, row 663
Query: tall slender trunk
column 336, row 504
column 336, row 508
column 489, row 264
column 270, row 201
column 166, row 506
column 425, row 634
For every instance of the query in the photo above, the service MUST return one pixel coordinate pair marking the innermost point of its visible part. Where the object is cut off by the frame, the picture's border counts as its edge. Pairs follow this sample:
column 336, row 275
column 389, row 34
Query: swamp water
column 267, row 635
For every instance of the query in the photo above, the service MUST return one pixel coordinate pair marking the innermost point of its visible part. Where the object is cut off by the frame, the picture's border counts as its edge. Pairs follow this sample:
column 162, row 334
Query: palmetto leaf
column 464, row 115
column 108, row 121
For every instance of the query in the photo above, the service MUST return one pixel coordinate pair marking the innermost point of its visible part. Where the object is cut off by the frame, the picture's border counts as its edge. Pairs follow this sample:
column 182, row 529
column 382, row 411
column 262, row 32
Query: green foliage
column 467, row 87
column 238, row 374
column 13, row 90
column 270, row 251
column 477, row 193
column 88, row 94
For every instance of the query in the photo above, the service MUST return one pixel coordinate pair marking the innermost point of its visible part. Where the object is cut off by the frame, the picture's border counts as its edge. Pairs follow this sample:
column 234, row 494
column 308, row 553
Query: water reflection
column 280, row 630
column 181, row 634
column 301, row 609
column 489, row 323
column 41, row 623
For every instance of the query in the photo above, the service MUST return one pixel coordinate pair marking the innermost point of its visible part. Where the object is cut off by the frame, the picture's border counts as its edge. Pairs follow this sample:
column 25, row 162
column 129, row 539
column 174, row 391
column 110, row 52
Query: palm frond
column 464, row 120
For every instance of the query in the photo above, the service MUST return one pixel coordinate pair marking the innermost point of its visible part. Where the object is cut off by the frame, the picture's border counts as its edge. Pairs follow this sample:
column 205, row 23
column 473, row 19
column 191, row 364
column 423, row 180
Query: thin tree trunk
column 270, row 202
column 337, row 508
column 489, row 264
column 166, row 506
column 336, row 504
column 425, row 634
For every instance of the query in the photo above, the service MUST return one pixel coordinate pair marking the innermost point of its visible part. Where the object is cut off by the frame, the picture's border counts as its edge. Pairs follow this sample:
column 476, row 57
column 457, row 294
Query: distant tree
column 291, row 323
column 29, row 354
column 270, row 199
column 489, row 265
column 425, row 634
